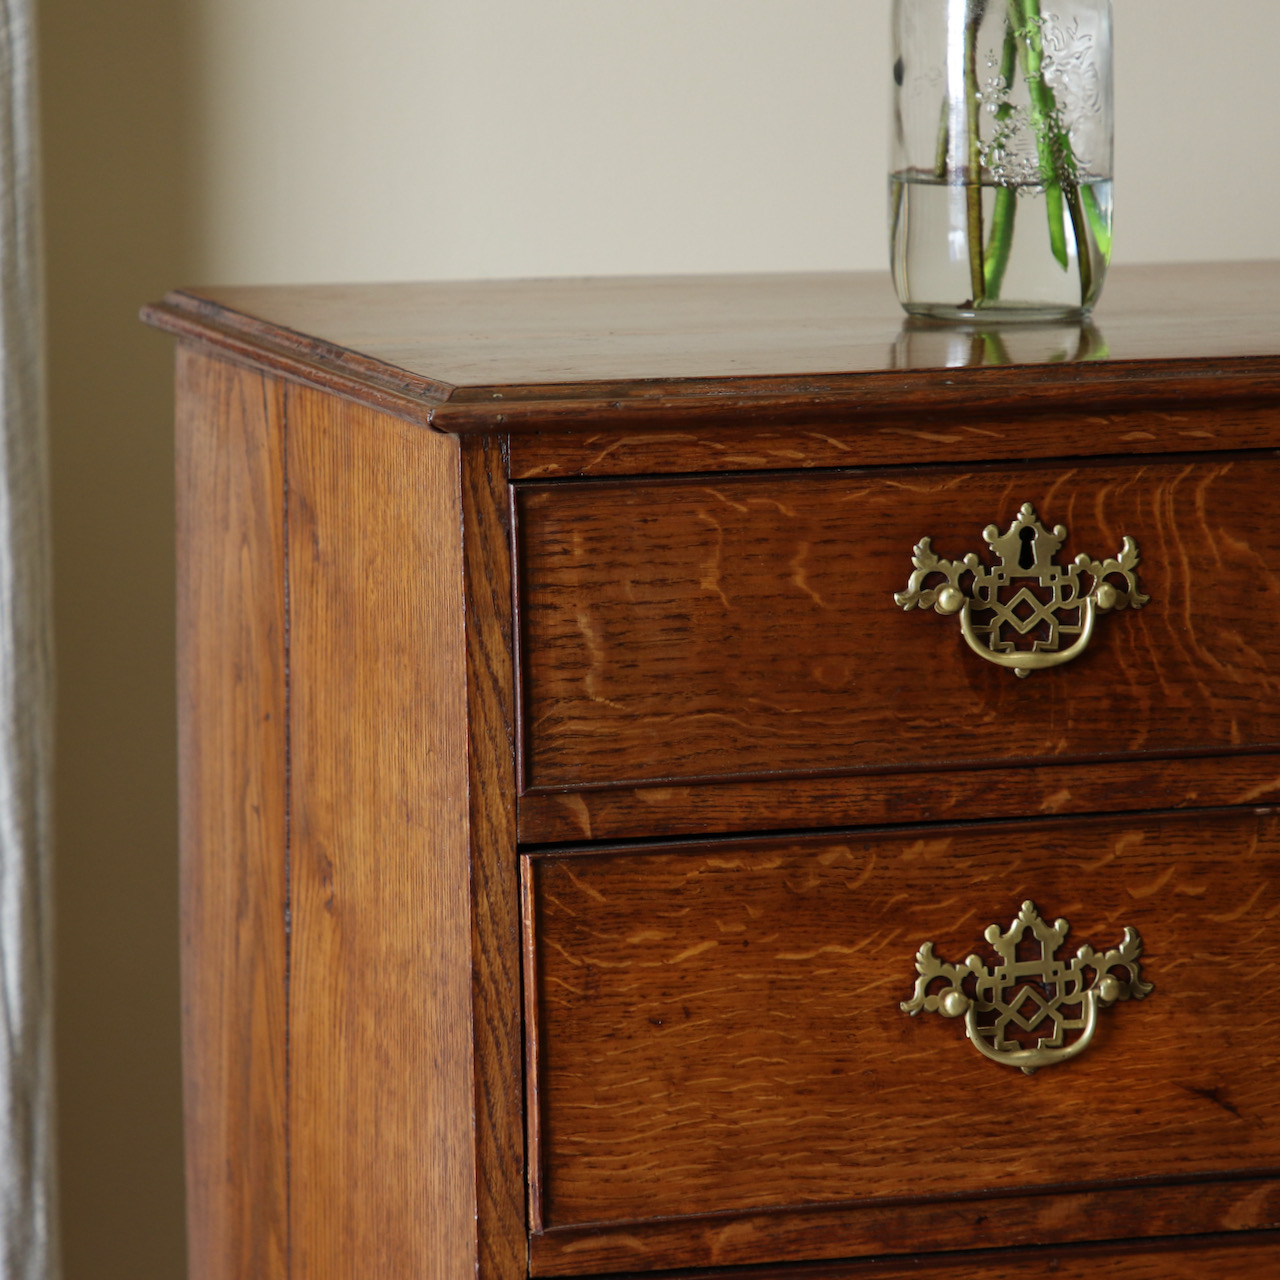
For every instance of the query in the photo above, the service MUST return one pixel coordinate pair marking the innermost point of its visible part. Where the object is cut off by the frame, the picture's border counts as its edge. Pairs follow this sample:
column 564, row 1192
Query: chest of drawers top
column 566, row 792
column 512, row 356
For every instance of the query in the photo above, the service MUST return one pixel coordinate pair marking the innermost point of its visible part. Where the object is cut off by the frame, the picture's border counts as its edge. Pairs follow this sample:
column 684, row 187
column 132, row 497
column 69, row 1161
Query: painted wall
column 279, row 140
column 427, row 138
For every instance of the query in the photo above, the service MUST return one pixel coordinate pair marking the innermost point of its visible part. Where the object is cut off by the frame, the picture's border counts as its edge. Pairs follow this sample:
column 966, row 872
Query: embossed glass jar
column 1000, row 175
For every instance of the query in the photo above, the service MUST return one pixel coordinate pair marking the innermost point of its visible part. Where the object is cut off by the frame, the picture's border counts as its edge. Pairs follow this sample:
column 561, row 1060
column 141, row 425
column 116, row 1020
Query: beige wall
column 255, row 140
column 420, row 138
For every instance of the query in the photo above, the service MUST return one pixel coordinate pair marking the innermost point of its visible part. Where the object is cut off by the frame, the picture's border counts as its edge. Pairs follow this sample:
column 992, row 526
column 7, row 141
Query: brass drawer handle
column 1029, row 993
column 1026, row 551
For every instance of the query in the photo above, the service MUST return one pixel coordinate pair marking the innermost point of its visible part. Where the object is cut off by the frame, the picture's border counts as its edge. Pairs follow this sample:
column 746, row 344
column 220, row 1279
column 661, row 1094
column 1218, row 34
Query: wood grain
column 231, row 771
column 1212, row 1257
column 719, row 628
column 501, row 1229
column 617, row 813
column 1112, row 1213
column 867, row 438
column 712, row 653
column 383, row 1165
column 720, row 1027
column 652, row 353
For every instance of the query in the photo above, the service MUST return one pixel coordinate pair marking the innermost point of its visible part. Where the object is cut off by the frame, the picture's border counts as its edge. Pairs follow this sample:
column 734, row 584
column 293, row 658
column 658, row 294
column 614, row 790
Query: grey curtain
column 28, row 1250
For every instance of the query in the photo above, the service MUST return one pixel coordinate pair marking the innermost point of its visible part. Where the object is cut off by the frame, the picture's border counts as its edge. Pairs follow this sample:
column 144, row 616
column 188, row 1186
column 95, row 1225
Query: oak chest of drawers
column 601, row 701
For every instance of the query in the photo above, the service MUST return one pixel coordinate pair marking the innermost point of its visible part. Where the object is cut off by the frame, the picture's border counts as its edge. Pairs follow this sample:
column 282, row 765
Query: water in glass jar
column 1028, row 272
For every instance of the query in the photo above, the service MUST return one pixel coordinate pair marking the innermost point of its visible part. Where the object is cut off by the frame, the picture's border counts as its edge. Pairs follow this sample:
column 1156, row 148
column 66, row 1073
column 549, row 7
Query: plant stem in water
column 1006, row 205
column 1098, row 223
column 973, row 169
column 1057, row 161
column 1071, row 177
column 1079, row 227
column 1044, row 109
column 1086, row 215
column 1001, row 243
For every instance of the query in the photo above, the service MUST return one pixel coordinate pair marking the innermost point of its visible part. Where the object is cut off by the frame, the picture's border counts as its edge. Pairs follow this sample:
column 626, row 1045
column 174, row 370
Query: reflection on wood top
column 505, row 354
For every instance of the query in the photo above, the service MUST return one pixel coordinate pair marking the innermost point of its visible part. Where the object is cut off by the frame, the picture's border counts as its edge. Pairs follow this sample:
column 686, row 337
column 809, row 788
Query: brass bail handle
column 1031, row 995
column 1006, row 612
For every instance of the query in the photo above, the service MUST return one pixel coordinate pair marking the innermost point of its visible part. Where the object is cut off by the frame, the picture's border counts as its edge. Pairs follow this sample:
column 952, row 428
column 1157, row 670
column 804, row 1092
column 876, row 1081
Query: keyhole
column 1027, row 556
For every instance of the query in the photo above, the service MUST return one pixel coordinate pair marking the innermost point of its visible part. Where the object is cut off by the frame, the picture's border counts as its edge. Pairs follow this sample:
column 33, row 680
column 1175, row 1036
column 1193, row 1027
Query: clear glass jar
column 1000, row 177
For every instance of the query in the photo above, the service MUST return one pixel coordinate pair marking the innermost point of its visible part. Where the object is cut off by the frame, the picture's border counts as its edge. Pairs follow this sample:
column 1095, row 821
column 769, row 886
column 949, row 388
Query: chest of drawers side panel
column 231, row 777
column 399, row 1145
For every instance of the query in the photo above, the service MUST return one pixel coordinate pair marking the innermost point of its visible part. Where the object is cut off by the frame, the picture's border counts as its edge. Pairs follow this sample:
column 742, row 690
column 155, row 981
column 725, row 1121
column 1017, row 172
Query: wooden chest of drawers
column 571, row 780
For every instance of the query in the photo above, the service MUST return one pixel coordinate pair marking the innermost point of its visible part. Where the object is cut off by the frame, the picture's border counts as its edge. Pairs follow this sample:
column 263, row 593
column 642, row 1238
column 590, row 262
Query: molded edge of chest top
column 514, row 356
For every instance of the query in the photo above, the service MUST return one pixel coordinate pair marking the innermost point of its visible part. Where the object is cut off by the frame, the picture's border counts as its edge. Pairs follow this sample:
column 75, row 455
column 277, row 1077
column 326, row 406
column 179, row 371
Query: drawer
column 721, row 1070
column 742, row 626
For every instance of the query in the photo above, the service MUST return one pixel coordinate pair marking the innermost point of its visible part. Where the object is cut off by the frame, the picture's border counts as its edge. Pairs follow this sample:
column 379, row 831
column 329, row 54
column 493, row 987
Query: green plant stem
column 973, row 169
column 1006, row 203
column 1086, row 214
column 1098, row 223
column 1070, row 172
column 1001, row 243
column 1058, row 169
column 1043, row 113
column 1079, row 227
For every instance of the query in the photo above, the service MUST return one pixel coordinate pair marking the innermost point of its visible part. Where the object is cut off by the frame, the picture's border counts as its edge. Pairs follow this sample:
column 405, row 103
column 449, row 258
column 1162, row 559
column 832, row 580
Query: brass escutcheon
column 1030, row 993
column 1026, row 552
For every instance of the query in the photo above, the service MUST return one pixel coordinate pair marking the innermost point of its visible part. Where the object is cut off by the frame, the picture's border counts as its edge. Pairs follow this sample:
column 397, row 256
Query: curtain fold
column 28, row 1250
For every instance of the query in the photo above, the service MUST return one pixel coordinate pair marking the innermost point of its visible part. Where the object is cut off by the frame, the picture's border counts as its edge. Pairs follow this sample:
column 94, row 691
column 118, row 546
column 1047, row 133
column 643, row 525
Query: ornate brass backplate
column 1030, row 994
column 994, row 616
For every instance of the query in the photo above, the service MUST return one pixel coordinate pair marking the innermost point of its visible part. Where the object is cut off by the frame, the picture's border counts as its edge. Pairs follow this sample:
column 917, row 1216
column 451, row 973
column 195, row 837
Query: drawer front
column 1247, row 1256
column 740, row 626
column 719, row 1031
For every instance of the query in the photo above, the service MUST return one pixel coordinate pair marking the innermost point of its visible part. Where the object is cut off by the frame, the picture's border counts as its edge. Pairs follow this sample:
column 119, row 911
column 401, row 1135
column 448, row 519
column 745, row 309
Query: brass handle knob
column 1030, row 994
column 1008, row 613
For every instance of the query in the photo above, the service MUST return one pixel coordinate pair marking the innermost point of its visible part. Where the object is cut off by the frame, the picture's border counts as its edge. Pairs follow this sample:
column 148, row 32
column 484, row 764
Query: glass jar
column 1000, row 178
